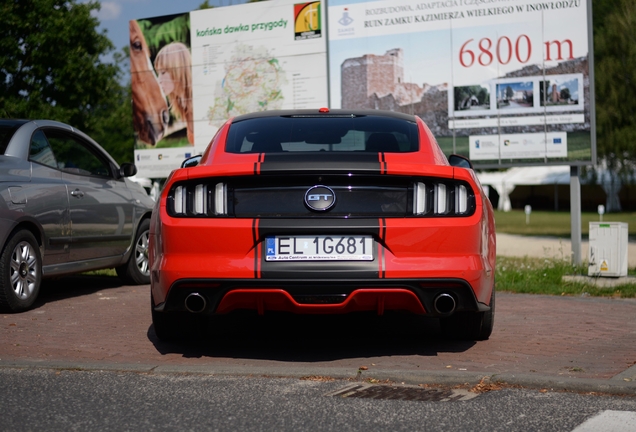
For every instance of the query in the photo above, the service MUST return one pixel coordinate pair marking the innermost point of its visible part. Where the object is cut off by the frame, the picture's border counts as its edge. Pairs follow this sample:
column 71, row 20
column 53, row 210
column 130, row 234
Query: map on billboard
column 256, row 57
column 253, row 81
column 503, row 82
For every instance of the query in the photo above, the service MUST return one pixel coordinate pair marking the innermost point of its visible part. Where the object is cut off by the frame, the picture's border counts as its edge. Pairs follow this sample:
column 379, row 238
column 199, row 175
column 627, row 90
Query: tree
column 564, row 94
column 114, row 130
column 51, row 65
column 615, row 83
column 205, row 5
column 509, row 92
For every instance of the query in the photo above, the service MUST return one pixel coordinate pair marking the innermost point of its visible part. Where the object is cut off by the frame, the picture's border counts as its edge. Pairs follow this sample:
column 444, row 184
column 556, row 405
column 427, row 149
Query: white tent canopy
column 504, row 182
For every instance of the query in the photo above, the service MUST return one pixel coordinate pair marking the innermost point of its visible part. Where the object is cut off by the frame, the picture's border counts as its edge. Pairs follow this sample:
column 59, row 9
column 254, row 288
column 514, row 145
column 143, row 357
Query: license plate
column 319, row 248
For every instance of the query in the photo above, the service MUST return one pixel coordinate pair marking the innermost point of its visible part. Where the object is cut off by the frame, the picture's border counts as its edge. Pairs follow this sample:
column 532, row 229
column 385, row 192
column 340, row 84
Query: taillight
column 220, row 199
column 442, row 198
column 198, row 199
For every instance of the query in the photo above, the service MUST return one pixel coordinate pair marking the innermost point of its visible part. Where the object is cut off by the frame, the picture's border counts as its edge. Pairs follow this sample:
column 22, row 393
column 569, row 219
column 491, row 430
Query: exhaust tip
column 195, row 303
column 445, row 304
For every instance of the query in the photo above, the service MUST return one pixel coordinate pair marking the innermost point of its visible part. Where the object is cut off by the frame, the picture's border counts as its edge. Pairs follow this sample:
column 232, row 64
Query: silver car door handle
column 77, row 193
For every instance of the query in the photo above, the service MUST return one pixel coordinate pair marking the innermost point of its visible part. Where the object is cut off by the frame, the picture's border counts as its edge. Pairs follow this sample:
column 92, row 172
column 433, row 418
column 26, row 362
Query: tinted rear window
column 323, row 133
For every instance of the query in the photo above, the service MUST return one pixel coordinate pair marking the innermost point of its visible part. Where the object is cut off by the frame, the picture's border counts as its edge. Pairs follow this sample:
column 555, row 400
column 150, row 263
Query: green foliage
column 615, row 82
column 205, row 5
column 464, row 93
column 545, row 276
column 115, row 131
column 157, row 36
column 51, row 68
column 50, row 65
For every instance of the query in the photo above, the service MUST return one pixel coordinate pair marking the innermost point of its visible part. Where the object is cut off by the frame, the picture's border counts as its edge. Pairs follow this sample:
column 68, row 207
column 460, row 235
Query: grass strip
column 545, row 276
column 555, row 224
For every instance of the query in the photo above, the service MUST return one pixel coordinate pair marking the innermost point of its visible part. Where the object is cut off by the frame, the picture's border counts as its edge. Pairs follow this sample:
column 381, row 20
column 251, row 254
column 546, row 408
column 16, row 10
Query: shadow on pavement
column 294, row 338
column 56, row 289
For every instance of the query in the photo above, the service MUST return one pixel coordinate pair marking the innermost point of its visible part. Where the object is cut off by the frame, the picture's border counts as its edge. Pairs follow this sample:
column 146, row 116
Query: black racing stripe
column 319, row 162
column 382, row 251
column 384, row 168
column 319, row 269
column 257, row 164
column 256, row 248
column 383, row 233
column 383, row 263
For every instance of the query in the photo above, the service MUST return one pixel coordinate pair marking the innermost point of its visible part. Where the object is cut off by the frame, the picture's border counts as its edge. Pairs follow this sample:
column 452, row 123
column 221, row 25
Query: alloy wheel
column 24, row 270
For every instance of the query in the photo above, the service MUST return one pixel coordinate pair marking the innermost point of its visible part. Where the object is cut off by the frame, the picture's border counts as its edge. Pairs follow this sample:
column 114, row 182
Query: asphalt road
column 70, row 400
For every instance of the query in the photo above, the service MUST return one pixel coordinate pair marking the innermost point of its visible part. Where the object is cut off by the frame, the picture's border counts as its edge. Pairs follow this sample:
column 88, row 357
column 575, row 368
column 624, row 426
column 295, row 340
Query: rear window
column 322, row 133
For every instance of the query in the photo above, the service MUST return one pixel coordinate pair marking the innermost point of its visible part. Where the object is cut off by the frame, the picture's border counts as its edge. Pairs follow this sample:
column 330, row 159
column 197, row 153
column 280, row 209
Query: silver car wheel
column 141, row 253
column 24, row 270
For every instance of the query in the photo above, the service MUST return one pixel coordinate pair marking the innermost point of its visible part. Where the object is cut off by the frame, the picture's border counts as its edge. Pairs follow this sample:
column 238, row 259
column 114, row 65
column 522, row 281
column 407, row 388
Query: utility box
column 608, row 249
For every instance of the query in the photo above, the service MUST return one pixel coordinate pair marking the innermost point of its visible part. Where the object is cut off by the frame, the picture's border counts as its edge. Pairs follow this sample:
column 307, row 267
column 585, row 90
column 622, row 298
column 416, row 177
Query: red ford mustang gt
column 324, row 212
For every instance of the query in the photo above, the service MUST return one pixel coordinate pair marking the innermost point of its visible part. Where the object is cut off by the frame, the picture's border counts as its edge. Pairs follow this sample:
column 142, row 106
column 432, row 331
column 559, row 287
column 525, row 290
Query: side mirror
column 127, row 170
column 459, row 161
column 191, row 161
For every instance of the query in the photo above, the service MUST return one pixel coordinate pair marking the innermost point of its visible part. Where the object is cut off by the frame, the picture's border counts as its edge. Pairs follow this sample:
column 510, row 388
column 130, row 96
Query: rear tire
column 470, row 325
column 167, row 326
column 20, row 272
column 177, row 326
column 136, row 271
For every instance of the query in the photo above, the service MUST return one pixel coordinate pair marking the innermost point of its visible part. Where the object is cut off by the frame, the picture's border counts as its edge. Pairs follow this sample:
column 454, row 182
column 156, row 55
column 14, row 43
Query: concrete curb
column 622, row 384
column 600, row 282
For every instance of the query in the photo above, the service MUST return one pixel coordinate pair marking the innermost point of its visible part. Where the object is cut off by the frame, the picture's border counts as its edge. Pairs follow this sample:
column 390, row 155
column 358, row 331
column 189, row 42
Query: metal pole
column 325, row 25
column 575, row 214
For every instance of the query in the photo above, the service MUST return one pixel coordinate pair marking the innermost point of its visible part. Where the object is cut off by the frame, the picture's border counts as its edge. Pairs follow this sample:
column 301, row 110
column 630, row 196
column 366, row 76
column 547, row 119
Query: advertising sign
column 503, row 82
column 244, row 58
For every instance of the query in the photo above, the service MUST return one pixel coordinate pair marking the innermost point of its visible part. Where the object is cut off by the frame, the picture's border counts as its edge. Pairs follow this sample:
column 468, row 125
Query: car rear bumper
column 433, row 297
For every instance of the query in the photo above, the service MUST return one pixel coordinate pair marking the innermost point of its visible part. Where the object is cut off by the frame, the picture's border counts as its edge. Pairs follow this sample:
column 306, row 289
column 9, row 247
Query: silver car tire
column 137, row 271
column 20, row 272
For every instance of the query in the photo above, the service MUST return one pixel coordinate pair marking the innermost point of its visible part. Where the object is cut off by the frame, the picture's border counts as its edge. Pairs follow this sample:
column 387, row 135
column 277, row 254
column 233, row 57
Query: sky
column 115, row 14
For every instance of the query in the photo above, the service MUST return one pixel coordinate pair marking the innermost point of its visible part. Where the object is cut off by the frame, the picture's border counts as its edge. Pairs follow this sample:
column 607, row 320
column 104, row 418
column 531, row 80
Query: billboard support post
column 575, row 214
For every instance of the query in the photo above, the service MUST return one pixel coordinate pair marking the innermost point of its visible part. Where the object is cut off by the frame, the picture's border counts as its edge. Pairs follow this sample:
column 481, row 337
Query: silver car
column 66, row 207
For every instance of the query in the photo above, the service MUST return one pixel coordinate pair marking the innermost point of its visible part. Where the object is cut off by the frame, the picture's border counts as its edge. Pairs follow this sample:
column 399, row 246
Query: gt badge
column 320, row 198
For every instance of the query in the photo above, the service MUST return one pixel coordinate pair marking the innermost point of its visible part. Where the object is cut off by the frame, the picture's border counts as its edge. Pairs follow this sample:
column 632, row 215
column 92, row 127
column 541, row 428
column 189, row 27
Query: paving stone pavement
column 91, row 321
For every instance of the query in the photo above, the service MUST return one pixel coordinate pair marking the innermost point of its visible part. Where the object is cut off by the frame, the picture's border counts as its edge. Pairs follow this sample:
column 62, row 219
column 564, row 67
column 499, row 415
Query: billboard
column 233, row 60
column 503, row 82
